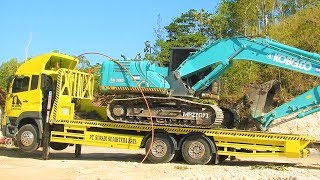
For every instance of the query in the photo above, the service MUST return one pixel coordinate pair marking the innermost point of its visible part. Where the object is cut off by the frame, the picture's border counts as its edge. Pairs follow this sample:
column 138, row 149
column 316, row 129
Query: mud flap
column 260, row 97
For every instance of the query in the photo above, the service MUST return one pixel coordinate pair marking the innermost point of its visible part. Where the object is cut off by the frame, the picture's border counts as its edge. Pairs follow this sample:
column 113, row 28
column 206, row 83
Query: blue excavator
column 171, row 91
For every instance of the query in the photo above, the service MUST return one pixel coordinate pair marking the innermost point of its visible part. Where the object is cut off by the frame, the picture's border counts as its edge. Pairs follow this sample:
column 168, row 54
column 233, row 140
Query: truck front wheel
column 27, row 138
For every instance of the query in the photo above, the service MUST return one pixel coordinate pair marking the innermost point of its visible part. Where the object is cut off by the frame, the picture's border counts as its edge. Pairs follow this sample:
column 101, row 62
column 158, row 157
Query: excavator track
column 165, row 111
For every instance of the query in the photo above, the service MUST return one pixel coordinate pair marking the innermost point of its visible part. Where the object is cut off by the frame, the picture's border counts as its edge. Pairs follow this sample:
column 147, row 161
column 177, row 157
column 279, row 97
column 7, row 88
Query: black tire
column 197, row 150
column 231, row 118
column 178, row 156
column 162, row 150
column 77, row 151
column 28, row 138
column 58, row 146
column 222, row 158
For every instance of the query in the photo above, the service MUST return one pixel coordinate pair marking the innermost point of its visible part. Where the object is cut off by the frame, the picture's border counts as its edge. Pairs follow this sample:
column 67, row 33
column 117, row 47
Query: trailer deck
column 229, row 142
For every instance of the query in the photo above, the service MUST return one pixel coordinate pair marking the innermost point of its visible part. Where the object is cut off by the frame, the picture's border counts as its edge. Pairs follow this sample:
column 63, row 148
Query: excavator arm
column 222, row 53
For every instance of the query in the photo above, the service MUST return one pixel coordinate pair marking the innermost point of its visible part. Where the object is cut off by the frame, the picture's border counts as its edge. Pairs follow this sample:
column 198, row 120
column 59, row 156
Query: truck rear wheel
column 27, row 138
column 162, row 150
column 197, row 150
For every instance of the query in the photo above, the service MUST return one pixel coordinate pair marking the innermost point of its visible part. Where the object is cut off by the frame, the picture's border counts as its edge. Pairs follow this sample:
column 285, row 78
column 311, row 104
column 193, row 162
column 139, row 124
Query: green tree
column 251, row 18
column 55, row 51
column 84, row 63
column 188, row 30
column 261, row 17
column 85, row 66
column 149, row 51
column 6, row 70
column 301, row 30
column 221, row 23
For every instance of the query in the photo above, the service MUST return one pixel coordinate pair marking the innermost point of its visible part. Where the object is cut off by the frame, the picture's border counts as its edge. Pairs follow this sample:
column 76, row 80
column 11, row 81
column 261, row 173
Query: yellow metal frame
column 80, row 135
column 134, row 89
column 47, row 62
column 228, row 142
column 70, row 84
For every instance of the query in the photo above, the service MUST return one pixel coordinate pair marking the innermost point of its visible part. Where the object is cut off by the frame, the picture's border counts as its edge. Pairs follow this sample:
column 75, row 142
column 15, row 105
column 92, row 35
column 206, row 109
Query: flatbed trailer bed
column 227, row 142
column 197, row 146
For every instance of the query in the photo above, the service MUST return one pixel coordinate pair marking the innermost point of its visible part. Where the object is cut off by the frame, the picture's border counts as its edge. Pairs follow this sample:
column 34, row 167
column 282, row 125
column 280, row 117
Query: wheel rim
column 159, row 148
column 196, row 150
column 27, row 138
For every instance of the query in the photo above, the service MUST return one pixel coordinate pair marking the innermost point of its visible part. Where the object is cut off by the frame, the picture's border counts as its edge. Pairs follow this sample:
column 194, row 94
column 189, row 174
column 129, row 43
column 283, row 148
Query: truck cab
column 26, row 99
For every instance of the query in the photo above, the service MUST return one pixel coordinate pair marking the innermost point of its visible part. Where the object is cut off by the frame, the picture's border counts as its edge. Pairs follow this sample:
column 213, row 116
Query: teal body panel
column 144, row 74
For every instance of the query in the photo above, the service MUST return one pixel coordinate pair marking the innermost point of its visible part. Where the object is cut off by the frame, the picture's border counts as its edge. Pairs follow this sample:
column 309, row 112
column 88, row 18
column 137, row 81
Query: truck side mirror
column 46, row 81
column 43, row 80
column 9, row 81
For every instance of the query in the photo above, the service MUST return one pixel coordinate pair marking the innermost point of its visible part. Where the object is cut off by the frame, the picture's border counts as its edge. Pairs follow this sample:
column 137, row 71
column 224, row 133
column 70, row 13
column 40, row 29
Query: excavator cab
column 260, row 98
column 178, row 55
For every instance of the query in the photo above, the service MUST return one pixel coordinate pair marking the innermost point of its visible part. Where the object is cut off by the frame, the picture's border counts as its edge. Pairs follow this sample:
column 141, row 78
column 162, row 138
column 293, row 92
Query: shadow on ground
column 268, row 165
column 127, row 157
column 62, row 155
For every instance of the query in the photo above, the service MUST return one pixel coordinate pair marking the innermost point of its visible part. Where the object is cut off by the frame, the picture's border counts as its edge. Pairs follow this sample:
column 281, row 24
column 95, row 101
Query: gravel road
column 106, row 163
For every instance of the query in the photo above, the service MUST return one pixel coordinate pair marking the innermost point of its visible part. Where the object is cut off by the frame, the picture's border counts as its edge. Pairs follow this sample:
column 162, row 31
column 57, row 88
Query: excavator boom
column 223, row 52
column 262, row 50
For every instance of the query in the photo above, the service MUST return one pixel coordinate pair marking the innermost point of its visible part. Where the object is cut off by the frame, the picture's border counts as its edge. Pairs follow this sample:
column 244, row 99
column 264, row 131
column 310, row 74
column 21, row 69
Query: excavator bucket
column 260, row 97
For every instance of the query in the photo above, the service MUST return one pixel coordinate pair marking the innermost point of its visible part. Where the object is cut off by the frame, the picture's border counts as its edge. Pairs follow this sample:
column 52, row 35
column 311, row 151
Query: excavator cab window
column 178, row 55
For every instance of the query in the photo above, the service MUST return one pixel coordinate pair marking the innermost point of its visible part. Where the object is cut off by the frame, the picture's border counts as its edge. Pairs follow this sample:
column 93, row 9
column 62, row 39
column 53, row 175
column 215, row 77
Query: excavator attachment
column 260, row 97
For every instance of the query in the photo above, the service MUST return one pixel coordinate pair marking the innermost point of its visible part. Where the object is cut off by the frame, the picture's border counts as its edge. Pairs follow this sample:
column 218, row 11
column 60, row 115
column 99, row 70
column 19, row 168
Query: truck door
column 24, row 96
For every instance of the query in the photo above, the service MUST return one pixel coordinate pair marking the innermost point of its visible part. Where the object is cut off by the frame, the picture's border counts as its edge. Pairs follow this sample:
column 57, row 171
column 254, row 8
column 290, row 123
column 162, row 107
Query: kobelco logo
column 293, row 62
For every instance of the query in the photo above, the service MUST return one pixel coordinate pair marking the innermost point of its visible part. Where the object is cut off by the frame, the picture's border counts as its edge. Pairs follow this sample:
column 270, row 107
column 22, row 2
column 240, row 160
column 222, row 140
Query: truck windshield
column 20, row 84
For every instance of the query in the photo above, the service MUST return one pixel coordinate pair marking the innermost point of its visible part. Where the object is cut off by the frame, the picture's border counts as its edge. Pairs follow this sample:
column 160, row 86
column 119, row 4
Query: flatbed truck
column 48, row 90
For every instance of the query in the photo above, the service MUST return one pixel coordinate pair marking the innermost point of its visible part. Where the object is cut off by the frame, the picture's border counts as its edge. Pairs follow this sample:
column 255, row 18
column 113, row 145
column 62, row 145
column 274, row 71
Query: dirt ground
column 106, row 163
column 309, row 125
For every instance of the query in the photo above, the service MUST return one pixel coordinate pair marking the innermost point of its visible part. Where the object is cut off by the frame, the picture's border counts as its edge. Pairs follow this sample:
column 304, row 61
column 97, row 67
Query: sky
column 78, row 26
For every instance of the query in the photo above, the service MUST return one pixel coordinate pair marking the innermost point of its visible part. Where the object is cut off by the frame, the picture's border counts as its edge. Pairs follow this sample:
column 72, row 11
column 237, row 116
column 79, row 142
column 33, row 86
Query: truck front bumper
column 9, row 130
